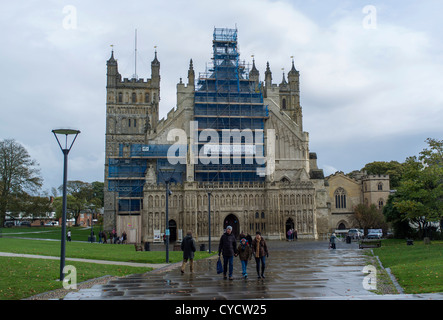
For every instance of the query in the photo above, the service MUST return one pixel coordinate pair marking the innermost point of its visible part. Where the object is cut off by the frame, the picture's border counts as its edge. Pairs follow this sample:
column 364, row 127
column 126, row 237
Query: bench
column 369, row 243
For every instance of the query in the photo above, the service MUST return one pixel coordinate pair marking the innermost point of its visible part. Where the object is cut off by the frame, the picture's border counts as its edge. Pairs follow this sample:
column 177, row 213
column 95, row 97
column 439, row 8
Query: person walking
column 228, row 246
column 332, row 241
column 244, row 253
column 260, row 252
column 69, row 235
column 188, row 248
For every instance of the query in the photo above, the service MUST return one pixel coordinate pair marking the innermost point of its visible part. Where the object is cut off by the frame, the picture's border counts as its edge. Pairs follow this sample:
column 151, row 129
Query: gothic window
column 262, row 215
column 129, row 122
column 134, row 97
column 340, row 198
column 256, row 215
column 284, row 104
column 146, row 97
column 135, row 122
column 380, row 203
column 120, row 97
column 380, row 186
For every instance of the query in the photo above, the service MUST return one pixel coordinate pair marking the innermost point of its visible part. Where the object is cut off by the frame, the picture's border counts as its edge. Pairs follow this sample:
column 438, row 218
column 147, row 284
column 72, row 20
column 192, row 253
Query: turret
column 268, row 76
column 112, row 73
column 293, row 78
column 191, row 75
column 254, row 75
column 290, row 95
column 155, row 71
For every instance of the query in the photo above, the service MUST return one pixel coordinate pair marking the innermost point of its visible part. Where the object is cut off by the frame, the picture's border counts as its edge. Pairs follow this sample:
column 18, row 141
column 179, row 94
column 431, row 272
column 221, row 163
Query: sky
column 371, row 72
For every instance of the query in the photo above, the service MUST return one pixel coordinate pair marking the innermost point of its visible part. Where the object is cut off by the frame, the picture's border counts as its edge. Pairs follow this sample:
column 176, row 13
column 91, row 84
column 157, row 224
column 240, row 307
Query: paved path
column 295, row 270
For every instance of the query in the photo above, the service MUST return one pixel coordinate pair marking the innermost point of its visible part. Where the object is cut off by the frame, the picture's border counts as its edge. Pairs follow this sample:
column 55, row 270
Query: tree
column 19, row 174
column 419, row 197
column 393, row 168
column 369, row 217
column 81, row 197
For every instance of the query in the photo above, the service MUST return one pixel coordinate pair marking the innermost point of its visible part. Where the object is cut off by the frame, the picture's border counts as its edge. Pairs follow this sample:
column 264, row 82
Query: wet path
column 295, row 270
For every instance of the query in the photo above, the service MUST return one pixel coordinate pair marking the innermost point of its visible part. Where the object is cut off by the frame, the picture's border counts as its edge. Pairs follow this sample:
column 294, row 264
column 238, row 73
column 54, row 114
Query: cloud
column 360, row 88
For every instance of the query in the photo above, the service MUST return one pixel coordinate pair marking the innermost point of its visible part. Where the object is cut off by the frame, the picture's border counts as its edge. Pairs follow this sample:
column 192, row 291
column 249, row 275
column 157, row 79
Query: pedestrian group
column 247, row 249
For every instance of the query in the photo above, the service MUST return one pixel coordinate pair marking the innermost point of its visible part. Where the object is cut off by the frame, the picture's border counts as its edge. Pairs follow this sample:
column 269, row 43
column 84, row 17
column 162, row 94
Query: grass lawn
column 22, row 277
column 112, row 252
column 53, row 232
column 418, row 268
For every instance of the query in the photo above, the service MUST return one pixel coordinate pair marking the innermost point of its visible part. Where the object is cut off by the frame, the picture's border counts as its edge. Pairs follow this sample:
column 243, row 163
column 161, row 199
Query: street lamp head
column 65, row 132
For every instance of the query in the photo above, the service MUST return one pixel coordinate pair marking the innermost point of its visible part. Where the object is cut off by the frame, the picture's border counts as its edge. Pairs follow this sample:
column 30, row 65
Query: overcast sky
column 371, row 72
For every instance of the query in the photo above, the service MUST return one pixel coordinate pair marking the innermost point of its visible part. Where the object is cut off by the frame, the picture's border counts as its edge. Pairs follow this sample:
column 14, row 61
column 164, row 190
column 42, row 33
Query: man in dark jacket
column 228, row 246
column 188, row 248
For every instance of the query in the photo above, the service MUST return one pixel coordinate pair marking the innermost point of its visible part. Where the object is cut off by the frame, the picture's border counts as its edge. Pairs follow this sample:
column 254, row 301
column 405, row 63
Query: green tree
column 19, row 174
column 420, row 192
column 81, row 197
column 393, row 168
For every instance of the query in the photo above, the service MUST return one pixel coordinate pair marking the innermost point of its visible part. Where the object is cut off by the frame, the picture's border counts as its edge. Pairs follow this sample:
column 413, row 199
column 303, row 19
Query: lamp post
column 65, row 151
column 168, row 192
column 209, row 221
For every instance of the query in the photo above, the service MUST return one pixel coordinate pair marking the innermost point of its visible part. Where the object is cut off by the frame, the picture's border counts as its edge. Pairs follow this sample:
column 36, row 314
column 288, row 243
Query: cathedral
column 232, row 152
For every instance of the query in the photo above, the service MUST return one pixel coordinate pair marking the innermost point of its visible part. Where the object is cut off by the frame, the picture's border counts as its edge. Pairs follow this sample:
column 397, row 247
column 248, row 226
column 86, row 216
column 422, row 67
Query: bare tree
column 18, row 174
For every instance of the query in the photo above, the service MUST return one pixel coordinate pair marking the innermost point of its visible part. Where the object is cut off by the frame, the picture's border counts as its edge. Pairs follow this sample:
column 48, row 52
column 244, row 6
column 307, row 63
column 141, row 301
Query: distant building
column 347, row 191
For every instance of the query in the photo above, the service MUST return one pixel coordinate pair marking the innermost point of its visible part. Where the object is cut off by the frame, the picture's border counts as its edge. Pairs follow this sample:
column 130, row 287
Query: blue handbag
column 219, row 266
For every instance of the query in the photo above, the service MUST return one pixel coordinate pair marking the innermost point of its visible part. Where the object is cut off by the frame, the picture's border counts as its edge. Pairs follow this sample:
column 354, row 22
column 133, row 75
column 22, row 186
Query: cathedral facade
column 232, row 152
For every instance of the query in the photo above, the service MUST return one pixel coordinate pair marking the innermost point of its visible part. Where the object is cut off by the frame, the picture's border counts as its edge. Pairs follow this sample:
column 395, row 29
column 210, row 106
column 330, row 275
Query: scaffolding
column 126, row 173
column 226, row 99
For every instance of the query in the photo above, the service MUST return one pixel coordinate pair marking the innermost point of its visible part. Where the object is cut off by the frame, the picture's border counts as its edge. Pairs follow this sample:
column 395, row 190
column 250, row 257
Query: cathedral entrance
column 289, row 225
column 232, row 220
column 172, row 231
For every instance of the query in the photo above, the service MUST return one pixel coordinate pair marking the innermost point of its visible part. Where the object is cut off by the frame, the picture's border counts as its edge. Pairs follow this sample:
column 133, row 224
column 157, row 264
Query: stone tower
column 132, row 111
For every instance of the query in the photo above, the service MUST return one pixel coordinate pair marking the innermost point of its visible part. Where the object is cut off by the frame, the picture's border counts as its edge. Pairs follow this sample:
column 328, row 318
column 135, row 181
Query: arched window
column 134, row 97
column 283, row 104
column 340, row 198
column 380, row 203
column 120, row 97
column 380, row 186
column 146, row 97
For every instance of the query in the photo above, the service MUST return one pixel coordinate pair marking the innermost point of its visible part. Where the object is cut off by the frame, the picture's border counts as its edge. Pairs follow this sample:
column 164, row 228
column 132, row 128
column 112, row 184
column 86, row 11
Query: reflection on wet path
column 301, row 269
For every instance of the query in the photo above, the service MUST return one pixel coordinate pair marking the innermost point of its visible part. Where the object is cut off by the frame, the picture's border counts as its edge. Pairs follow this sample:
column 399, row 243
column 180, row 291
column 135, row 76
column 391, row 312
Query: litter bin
column 202, row 247
column 147, row 246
